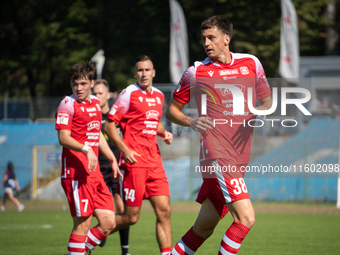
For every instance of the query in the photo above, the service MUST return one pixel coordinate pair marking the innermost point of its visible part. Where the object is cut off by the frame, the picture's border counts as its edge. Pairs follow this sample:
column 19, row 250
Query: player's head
column 101, row 90
column 82, row 80
column 144, row 72
column 216, row 33
column 10, row 167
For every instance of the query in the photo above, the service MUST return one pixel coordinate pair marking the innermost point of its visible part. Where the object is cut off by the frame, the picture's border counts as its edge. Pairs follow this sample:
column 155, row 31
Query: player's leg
column 12, row 197
column 129, row 217
column 244, row 218
column 204, row 226
column 104, row 212
column 158, row 192
column 123, row 233
column 4, row 198
column 81, row 226
column 162, row 208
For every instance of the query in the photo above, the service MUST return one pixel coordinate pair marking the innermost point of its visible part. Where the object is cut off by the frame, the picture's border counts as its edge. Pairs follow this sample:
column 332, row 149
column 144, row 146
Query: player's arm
column 17, row 186
column 265, row 104
column 107, row 152
column 111, row 130
column 69, row 142
column 175, row 115
column 162, row 132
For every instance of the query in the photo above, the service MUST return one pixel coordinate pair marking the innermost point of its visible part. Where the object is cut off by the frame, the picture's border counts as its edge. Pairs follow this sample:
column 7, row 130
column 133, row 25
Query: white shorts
column 8, row 190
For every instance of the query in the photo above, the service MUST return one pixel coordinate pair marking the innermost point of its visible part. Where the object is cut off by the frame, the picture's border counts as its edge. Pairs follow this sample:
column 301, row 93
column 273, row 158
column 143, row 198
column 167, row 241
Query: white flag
column 179, row 54
column 289, row 41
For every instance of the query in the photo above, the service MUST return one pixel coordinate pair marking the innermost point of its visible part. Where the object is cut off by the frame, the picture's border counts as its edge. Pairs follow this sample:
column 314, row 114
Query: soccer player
column 138, row 110
column 78, row 121
column 11, row 183
column 101, row 90
column 225, row 142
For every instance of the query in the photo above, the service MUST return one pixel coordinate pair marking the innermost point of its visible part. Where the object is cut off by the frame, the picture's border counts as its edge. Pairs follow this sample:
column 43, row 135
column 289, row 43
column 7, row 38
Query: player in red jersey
column 138, row 110
column 101, row 90
column 78, row 121
column 225, row 137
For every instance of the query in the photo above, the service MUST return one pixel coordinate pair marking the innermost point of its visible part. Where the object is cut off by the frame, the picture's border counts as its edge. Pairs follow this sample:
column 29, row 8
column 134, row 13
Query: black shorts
column 107, row 174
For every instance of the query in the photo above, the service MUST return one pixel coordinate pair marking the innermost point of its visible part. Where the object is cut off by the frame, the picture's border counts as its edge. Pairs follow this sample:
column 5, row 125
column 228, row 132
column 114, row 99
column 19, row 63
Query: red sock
column 94, row 237
column 166, row 250
column 233, row 238
column 188, row 244
column 76, row 244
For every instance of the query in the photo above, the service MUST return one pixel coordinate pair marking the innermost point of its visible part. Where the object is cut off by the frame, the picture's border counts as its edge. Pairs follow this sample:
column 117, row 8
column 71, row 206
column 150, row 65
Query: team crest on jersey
column 152, row 114
column 82, row 108
column 158, row 100
column 211, row 73
column 244, row 70
column 140, row 99
column 93, row 125
column 98, row 107
column 62, row 118
column 225, row 91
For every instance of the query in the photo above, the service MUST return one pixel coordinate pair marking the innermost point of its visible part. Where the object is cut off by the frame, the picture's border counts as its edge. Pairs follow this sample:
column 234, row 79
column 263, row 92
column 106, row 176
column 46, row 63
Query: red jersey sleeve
column 64, row 114
column 262, row 87
column 120, row 107
column 182, row 92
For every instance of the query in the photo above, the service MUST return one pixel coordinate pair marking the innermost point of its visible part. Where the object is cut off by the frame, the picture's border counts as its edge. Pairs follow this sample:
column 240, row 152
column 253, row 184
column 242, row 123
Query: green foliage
column 41, row 39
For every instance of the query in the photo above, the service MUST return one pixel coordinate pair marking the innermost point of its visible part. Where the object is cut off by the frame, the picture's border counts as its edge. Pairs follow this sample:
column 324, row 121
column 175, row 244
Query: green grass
column 47, row 232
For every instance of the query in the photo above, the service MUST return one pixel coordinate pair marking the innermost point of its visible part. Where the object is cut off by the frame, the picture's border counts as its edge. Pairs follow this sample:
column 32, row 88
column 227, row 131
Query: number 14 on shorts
column 129, row 194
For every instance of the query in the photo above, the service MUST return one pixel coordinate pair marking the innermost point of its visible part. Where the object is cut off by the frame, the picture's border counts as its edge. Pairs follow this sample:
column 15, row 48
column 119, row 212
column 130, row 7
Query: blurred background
column 41, row 40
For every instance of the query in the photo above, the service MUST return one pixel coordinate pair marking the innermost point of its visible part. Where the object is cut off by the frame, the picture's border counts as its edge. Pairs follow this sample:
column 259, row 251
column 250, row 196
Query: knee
column 204, row 232
column 249, row 221
column 132, row 219
column 164, row 213
column 109, row 226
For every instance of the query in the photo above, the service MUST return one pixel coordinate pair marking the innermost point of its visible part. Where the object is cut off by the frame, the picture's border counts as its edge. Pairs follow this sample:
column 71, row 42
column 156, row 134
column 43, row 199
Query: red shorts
column 85, row 194
column 222, row 187
column 143, row 182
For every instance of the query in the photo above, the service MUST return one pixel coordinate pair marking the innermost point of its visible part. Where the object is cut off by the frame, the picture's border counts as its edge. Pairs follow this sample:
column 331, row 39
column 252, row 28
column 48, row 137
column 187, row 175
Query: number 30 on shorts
column 239, row 185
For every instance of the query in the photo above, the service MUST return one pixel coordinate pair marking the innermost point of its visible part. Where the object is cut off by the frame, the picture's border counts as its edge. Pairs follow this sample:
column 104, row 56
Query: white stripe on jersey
column 76, row 198
column 221, row 181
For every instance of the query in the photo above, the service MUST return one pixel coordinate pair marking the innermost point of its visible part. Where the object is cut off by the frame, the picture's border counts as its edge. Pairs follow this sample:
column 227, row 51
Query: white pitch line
column 23, row 226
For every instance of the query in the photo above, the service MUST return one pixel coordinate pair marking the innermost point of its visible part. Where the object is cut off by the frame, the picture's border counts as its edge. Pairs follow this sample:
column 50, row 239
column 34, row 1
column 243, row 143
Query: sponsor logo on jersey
column 228, row 72
column 150, row 100
column 140, row 99
column 149, row 132
column 113, row 109
column 92, row 114
column 82, row 108
column 92, row 109
column 93, row 125
column 152, row 114
column 158, row 100
column 98, row 107
column 151, row 104
column 225, row 91
column 211, row 73
column 92, row 136
column 62, row 118
column 244, row 70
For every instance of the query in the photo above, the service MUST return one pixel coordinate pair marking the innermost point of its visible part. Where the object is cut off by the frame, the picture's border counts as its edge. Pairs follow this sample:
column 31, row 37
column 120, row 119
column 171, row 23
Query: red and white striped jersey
column 232, row 139
column 83, row 119
column 138, row 112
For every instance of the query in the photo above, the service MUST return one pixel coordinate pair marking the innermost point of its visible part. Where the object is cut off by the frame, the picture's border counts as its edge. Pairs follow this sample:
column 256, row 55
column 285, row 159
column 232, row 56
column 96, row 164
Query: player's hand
column 116, row 173
column 18, row 189
column 92, row 159
column 129, row 156
column 201, row 124
column 168, row 137
column 261, row 108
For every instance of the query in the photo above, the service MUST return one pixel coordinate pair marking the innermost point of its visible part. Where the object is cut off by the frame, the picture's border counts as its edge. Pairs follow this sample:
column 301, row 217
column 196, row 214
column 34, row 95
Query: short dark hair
column 82, row 70
column 222, row 24
column 142, row 58
column 102, row 81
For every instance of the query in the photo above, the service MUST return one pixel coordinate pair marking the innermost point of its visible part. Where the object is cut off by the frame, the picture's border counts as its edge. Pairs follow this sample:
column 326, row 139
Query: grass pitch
column 43, row 228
